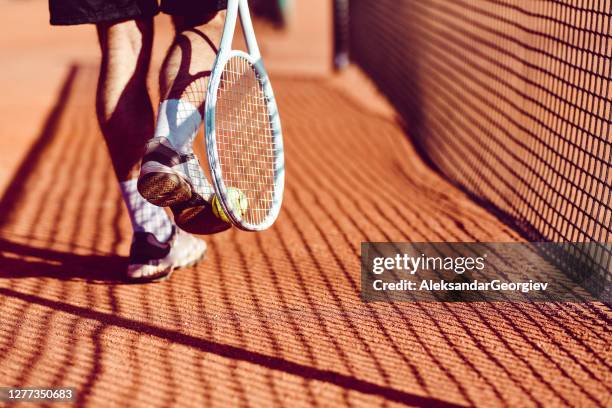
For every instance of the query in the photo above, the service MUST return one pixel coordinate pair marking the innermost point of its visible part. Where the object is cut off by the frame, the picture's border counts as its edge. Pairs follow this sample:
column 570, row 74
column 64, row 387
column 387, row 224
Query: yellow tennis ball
column 236, row 199
column 218, row 210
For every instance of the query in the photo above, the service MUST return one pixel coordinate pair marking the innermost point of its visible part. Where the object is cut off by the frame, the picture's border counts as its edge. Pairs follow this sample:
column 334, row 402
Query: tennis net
column 511, row 100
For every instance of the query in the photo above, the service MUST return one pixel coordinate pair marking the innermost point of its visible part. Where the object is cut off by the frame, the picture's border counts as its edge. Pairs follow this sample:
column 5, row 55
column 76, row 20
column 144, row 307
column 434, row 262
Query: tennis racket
column 244, row 141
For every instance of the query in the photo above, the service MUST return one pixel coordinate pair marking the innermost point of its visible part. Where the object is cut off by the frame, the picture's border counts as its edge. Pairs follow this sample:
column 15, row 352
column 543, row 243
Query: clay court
column 267, row 319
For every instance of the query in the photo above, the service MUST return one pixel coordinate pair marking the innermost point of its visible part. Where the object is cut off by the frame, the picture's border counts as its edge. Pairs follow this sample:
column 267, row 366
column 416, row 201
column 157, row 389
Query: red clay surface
column 274, row 318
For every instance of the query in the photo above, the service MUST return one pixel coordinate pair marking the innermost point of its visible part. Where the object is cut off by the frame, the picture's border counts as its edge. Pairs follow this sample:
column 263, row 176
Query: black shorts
column 70, row 12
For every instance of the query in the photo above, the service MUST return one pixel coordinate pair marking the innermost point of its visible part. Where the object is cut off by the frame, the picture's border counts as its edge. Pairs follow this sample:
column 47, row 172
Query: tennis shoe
column 168, row 177
column 171, row 179
column 151, row 260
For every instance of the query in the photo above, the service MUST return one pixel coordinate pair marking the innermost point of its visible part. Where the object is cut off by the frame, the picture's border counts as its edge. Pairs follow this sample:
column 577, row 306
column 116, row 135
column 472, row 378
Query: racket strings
column 245, row 141
column 200, row 184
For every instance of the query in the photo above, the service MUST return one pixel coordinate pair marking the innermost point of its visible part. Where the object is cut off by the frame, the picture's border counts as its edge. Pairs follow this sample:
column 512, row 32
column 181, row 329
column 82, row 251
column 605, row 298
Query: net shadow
column 272, row 318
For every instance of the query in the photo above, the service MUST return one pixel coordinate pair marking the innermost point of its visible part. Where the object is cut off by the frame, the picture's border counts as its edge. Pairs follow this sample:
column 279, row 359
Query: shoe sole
column 160, row 277
column 164, row 277
column 162, row 187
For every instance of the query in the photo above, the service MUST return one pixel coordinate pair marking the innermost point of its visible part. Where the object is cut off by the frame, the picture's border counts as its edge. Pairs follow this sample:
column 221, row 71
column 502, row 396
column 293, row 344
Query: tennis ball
column 236, row 199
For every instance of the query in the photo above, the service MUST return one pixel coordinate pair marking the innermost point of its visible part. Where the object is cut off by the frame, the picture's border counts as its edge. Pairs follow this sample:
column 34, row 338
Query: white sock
column 144, row 215
column 179, row 121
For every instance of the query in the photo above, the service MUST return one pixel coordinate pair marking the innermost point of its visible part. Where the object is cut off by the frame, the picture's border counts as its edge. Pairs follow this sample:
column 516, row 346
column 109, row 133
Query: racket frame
column 240, row 8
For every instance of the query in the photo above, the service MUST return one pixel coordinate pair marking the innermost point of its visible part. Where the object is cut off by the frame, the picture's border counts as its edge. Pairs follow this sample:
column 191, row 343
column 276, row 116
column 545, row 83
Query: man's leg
column 123, row 104
column 126, row 119
column 125, row 114
column 186, row 69
column 171, row 175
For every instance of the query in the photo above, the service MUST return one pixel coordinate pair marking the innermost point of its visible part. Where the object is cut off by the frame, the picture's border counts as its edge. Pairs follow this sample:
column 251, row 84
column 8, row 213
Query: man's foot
column 151, row 260
column 162, row 179
column 170, row 179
